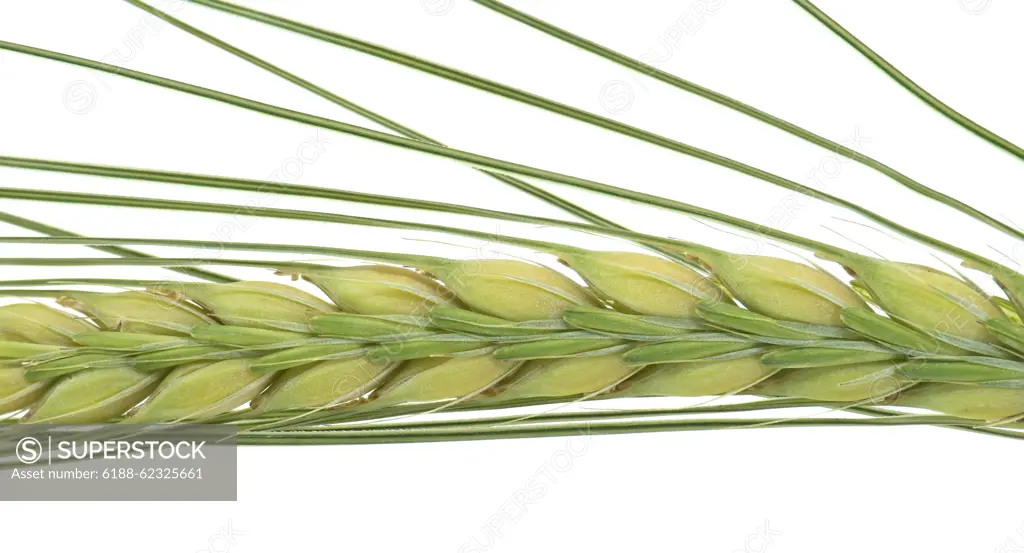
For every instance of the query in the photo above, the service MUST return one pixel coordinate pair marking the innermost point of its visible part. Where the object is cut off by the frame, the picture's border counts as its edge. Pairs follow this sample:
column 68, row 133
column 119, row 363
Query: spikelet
column 644, row 284
column 380, row 290
column 550, row 378
column 258, row 304
column 934, row 302
column 38, row 324
column 93, row 396
column 971, row 402
column 323, row 384
column 201, row 390
column 137, row 311
column 782, row 289
column 513, row 290
column 851, row 383
column 444, row 379
column 702, row 378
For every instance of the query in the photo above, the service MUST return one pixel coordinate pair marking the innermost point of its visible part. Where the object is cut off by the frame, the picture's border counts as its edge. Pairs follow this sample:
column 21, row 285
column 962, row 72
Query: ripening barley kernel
column 381, row 290
column 137, row 311
column 783, row 289
column 963, row 400
column 31, row 322
column 644, row 284
column 567, row 376
column 407, row 370
column 847, row 383
column 934, row 301
column 513, row 290
column 16, row 391
column 201, row 390
column 259, row 304
column 93, row 396
column 452, row 378
column 710, row 378
column 324, row 384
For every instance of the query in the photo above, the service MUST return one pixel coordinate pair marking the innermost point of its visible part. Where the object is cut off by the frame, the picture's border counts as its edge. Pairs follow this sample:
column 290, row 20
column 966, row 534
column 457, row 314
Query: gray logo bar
column 118, row 462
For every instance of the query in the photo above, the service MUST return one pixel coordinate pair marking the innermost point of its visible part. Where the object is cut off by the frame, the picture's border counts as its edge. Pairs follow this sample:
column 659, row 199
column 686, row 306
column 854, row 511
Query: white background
column 900, row 489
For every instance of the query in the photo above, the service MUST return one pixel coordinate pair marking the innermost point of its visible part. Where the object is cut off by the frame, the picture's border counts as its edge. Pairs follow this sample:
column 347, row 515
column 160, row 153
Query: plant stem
column 366, row 420
column 115, row 282
column 909, row 85
column 586, row 428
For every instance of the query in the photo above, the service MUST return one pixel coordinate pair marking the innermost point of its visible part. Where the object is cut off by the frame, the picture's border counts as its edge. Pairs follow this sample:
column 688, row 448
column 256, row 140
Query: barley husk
column 381, row 290
column 708, row 378
column 513, row 290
